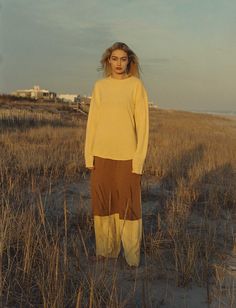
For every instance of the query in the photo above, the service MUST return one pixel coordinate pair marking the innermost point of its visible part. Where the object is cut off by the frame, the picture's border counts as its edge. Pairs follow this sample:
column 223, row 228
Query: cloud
column 68, row 26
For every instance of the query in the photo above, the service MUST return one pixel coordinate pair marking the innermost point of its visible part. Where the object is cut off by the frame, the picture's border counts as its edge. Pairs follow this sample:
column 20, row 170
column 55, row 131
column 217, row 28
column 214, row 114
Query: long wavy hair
column 133, row 67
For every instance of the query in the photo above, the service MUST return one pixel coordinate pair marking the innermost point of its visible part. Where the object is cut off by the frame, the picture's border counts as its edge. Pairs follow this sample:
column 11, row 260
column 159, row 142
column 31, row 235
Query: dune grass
column 44, row 258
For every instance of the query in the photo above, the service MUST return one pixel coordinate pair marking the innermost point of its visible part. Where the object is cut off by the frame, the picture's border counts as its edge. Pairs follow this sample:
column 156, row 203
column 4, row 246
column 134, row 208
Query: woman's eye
column 114, row 59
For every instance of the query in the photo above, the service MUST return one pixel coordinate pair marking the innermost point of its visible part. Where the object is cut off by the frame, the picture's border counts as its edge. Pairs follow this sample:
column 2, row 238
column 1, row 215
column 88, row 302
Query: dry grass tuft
column 44, row 254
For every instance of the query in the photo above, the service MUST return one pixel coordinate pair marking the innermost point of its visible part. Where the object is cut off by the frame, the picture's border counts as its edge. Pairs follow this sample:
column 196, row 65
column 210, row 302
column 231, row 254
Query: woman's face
column 118, row 61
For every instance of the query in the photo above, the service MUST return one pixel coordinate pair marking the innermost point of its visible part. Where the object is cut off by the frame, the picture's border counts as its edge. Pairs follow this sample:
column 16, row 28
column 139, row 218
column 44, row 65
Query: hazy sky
column 186, row 48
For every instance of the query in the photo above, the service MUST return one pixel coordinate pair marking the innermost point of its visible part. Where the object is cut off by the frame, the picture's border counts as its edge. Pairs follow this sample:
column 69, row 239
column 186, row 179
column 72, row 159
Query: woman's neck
column 119, row 76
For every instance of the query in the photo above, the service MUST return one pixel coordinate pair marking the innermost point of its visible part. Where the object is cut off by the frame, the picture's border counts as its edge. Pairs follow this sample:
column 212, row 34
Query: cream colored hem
column 110, row 231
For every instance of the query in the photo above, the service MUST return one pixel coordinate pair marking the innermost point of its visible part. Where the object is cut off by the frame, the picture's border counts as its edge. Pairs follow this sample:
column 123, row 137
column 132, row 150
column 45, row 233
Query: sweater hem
column 129, row 157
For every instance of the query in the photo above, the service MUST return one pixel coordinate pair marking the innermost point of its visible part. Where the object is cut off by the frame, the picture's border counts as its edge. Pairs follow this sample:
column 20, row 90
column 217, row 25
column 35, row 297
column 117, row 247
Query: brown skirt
column 115, row 189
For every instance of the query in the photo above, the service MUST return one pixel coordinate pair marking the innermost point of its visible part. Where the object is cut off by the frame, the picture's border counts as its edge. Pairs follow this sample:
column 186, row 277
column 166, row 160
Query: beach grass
column 189, row 198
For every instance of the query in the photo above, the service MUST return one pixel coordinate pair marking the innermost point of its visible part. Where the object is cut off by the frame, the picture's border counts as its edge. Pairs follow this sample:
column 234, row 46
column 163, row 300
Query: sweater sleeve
column 141, row 115
column 91, row 129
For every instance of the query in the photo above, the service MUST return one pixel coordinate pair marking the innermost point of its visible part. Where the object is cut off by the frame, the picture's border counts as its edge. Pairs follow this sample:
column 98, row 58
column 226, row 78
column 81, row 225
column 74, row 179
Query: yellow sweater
column 118, row 122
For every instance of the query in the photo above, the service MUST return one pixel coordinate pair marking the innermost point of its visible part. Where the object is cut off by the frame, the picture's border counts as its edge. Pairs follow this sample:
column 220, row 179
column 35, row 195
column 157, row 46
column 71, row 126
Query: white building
column 35, row 93
column 70, row 98
column 152, row 105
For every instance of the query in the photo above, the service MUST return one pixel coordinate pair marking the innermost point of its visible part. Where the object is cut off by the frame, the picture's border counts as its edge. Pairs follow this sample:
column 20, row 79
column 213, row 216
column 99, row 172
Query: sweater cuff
column 137, row 167
column 89, row 162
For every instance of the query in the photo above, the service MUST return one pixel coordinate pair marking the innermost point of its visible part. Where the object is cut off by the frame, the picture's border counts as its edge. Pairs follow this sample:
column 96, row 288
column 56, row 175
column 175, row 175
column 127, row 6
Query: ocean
column 223, row 112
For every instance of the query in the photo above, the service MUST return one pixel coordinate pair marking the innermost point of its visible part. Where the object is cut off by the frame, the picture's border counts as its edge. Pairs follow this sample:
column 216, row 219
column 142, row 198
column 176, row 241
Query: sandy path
column 150, row 282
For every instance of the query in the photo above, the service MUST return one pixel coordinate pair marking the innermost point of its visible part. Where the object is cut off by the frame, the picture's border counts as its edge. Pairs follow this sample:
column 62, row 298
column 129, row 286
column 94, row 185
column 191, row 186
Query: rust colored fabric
column 115, row 189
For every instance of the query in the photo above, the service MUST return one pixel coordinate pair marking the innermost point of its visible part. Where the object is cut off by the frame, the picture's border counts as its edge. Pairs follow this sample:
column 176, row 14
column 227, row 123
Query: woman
column 115, row 150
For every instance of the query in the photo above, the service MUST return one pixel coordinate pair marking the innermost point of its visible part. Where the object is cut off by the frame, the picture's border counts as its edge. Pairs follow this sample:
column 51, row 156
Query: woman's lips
column 118, row 68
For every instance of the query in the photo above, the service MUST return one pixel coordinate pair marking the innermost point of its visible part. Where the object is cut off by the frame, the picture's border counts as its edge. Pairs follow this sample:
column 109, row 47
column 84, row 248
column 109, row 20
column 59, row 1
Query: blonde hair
column 133, row 67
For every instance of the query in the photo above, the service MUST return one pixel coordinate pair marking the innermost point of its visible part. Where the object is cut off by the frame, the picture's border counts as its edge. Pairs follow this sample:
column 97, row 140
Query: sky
column 186, row 48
